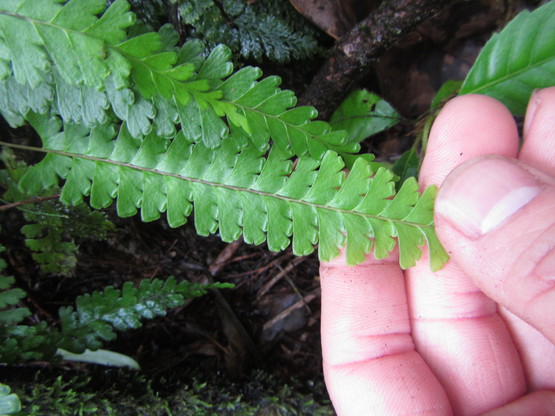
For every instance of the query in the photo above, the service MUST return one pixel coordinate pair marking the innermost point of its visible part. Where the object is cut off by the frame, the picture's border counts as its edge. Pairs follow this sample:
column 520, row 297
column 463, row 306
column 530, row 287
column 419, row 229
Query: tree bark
column 351, row 56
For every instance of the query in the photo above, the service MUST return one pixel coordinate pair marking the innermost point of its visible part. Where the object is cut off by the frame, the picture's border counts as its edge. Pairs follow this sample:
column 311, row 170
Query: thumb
column 496, row 218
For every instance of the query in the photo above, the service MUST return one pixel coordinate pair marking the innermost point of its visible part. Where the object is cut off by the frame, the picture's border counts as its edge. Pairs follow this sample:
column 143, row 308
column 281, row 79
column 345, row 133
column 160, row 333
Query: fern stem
column 28, row 201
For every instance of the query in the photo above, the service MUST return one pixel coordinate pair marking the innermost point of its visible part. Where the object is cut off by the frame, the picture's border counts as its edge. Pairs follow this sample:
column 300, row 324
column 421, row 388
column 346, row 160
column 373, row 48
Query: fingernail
column 533, row 105
column 546, row 267
column 484, row 193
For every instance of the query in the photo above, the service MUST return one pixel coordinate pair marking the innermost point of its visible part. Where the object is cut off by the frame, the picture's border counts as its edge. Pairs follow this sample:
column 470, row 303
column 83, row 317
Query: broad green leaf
column 363, row 114
column 517, row 60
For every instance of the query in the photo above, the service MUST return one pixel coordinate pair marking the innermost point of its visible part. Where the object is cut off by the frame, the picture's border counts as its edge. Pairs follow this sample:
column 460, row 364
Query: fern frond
column 265, row 29
column 80, row 67
column 19, row 341
column 37, row 34
column 92, row 321
column 237, row 191
column 9, row 297
column 97, row 315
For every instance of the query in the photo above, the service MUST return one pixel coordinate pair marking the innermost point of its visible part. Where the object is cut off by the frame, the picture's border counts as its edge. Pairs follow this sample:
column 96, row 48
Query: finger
column 540, row 403
column 370, row 365
column 498, row 217
column 456, row 327
column 538, row 149
column 537, row 353
column 467, row 127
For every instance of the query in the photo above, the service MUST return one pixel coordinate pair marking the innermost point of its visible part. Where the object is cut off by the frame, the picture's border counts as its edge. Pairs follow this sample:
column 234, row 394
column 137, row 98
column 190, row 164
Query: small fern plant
column 253, row 30
column 161, row 128
column 92, row 322
column 52, row 230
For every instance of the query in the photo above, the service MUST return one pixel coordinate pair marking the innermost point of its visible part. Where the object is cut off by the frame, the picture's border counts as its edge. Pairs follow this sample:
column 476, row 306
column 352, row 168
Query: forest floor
column 266, row 330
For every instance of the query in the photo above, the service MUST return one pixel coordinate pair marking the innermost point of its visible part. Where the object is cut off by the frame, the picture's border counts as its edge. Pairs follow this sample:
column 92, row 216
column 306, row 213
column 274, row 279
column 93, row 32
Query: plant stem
column 350, row 57
column 28, row 201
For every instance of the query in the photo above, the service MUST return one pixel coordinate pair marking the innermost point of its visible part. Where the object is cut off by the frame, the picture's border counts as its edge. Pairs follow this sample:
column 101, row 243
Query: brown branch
column 28, row 201
column 350, row 57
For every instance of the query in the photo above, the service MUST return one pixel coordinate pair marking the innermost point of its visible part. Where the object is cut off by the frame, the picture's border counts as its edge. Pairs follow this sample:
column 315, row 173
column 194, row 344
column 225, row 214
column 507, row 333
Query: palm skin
column 477, row 337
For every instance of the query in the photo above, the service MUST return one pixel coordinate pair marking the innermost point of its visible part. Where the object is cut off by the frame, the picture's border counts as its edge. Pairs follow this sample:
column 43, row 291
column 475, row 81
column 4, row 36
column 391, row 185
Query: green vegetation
column 132, row 395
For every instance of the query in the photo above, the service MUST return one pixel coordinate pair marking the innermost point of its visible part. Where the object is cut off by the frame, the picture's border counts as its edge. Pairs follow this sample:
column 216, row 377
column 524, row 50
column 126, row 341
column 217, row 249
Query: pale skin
column 477, row 337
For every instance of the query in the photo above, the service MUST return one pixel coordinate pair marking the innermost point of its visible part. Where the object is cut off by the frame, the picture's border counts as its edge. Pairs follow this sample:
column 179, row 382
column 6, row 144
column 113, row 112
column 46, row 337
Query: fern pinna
column 167, row 129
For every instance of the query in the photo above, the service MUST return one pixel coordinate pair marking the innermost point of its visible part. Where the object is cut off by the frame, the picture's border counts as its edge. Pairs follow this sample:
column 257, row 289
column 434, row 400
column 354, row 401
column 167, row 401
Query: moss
column 120, row 393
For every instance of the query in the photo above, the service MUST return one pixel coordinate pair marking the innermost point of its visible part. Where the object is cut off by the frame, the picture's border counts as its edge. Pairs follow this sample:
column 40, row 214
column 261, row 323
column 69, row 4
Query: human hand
column 479, row 335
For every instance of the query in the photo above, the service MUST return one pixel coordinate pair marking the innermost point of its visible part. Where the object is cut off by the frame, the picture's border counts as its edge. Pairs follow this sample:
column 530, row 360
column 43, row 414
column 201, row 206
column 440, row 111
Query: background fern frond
column 93, row 320
column 265, row 29
column 233, row 191
column 97, row 315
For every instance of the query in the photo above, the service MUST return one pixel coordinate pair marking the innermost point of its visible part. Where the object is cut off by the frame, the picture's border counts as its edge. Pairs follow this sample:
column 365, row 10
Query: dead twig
column 36, row 200
column 297, row 305
column 351, row 56
column 224, row 257
column 264, row 289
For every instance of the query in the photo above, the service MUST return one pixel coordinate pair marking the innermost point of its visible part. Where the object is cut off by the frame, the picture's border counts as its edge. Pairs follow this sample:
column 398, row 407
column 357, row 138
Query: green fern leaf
column 17, row 99
column 97, row 315
column 51, row 228
column 81, row 68
column 517, row 60
column 363, row 114
column 9, row 297
column 235, row 190
column 264, row 111
column 32, row 29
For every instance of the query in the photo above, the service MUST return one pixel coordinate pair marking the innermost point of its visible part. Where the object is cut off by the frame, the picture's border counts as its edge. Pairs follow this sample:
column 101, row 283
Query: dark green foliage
column 406, row 166
column 133, row 395
column 62, row 398
column 96, row 316
column 363, row 114
column 93, row 320
column 52, row 232
column 254, row 30
column 19, row 342
column 52, row 229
